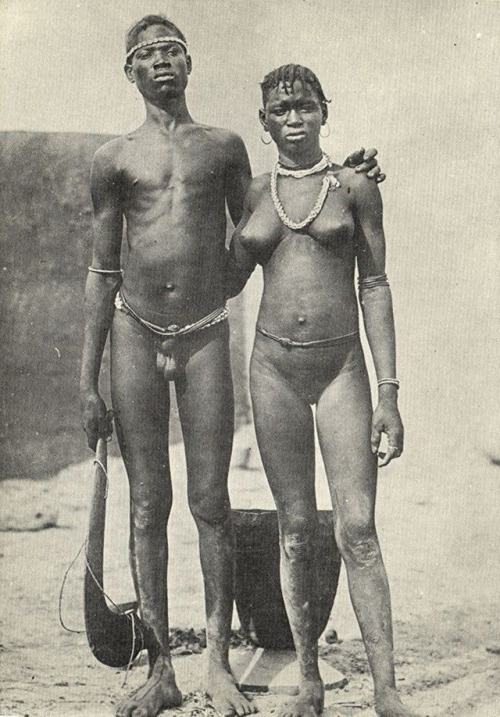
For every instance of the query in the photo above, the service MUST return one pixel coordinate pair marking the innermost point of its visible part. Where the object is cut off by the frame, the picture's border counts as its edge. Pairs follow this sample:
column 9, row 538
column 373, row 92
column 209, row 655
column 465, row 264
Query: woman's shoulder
column 359, row 185
column 258, row 186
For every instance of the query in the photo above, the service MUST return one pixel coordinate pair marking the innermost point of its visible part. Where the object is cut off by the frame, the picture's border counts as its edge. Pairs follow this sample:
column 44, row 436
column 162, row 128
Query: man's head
column 133, row 36
column 157, row 59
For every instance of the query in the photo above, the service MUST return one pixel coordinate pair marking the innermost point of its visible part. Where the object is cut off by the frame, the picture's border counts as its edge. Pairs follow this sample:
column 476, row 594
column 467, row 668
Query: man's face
column 160, row 71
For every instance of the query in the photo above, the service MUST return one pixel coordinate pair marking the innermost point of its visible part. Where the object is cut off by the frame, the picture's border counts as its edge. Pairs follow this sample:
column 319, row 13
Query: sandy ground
column 439, row 532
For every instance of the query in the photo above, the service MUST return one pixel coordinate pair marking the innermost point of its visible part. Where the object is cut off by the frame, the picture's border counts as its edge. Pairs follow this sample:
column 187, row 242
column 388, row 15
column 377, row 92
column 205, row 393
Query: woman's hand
column 97, row 420
column 365, row 161
column 386, row 419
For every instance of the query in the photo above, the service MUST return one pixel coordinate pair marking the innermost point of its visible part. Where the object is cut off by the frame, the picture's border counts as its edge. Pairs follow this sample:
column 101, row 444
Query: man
column 171, row 179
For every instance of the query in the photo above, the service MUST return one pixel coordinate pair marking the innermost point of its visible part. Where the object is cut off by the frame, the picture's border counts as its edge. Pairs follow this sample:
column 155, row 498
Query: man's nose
column 161, row 58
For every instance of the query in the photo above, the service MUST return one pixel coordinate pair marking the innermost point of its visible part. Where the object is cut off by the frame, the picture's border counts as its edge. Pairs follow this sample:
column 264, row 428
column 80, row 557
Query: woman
column 308, row 223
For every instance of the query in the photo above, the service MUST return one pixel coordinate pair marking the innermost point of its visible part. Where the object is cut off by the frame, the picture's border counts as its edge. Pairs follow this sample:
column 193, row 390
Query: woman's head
column 294, row 106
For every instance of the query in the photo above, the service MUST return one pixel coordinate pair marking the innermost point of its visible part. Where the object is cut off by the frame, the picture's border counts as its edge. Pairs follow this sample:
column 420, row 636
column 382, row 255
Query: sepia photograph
column 250, row 359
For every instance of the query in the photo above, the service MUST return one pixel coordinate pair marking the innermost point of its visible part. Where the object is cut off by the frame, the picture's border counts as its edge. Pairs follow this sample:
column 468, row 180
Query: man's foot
column 308, row 703
column 389, row 705
column 225, row 696
column 159, row 692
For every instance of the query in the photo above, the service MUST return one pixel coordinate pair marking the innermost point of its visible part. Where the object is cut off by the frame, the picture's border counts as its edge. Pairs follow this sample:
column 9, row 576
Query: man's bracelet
column 390, row 381
column 105, row 271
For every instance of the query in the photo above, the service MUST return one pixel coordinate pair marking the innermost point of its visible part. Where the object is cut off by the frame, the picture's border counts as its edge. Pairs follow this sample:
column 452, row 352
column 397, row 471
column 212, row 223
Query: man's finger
column 355, row 158
column 369, row 165
column 370, row 153
column 380, row 178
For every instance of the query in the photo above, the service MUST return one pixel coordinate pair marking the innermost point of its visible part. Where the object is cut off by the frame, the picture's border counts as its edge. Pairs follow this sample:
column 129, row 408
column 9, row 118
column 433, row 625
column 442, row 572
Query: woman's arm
column 100, row 291
column 376, row 305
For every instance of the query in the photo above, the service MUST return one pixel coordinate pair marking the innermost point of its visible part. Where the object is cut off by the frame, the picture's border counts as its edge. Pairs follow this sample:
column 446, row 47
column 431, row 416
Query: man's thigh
column 140, row 398
column 206, row 409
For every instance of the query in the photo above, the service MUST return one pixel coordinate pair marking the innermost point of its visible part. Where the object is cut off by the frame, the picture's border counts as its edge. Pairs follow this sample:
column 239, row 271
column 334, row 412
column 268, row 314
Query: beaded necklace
column 330, row 183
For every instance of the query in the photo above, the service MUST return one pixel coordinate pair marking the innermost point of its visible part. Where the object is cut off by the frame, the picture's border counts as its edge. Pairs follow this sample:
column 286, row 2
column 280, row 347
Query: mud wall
column 45, row 236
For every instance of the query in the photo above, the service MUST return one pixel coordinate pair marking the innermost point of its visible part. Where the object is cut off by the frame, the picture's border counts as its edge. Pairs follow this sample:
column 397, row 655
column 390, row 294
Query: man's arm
column 239, row 263
column 376, row 304
column 365, row 161
column 237, row 178
column 100, row 290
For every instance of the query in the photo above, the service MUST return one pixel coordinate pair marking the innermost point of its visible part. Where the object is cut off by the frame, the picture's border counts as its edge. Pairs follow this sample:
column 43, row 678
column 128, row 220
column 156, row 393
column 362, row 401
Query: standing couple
column 308, row 224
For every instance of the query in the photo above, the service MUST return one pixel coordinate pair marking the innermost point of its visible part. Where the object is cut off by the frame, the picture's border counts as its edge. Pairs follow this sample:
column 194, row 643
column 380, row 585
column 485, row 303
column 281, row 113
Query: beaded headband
column 147, row 43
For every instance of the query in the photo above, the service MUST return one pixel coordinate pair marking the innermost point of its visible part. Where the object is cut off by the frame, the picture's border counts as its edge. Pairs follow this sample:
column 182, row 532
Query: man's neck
column 169, row 115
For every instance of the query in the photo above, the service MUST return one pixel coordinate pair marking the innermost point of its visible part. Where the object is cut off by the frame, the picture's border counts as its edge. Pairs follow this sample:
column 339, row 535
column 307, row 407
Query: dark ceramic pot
column 259, row 601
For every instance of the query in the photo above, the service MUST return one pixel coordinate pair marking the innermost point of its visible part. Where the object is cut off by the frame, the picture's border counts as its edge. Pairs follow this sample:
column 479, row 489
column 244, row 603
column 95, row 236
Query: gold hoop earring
column 324, row 136
column 263, row 140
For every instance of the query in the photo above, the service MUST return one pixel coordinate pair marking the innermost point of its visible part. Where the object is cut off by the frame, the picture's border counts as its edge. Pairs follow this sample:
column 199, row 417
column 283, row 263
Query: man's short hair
column 132, row 37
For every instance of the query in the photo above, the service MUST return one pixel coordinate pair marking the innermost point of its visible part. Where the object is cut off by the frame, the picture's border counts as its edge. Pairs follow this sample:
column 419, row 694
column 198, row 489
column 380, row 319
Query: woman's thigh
column 285, row 435
column 344, row 413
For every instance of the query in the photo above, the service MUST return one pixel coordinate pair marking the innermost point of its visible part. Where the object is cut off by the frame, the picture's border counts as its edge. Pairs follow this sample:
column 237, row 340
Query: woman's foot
column 389, row 704
column 159, row 692
column 308, row 703
column 225, row 696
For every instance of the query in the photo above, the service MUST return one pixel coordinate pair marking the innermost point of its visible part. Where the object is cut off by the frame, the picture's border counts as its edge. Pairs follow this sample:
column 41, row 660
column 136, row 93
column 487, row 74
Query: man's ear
column 262, row 118
column 189, row 64
column 128, row 72
column 324, row 112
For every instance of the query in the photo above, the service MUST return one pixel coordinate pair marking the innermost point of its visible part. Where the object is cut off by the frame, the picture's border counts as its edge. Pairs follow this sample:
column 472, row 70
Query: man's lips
column 164, row 76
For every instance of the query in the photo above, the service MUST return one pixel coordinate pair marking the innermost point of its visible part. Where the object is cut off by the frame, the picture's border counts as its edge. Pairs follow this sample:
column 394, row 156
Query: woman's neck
column 300, row 157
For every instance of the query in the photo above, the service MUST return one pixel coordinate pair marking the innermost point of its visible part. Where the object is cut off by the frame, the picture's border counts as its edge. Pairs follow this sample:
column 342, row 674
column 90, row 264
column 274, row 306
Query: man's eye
column 279, row 110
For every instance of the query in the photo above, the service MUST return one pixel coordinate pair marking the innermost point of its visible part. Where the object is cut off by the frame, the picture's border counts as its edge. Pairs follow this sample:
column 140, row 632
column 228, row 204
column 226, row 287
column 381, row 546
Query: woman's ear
column 262, row 118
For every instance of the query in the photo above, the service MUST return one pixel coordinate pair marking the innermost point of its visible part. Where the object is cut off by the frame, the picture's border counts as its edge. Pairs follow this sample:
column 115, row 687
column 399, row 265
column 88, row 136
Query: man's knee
column 357, row 541
column 149, row 515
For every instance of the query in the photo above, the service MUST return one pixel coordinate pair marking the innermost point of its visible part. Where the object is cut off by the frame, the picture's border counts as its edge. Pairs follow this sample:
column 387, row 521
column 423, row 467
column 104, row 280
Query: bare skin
column 309, row 295
column 171, row 180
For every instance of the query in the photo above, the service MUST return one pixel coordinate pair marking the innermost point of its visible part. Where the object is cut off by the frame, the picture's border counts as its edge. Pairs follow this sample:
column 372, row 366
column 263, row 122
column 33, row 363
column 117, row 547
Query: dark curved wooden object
column 110, row 630
column 259, row 601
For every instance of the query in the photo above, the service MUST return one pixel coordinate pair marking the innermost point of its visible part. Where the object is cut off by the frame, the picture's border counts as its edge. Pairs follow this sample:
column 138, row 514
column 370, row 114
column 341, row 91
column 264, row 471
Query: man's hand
column 365, row 161
column 386, row 419
column 97, row 420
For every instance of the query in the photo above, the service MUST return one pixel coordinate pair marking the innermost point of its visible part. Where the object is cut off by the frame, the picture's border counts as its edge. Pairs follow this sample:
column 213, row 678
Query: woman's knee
column 209, row 507
column 357, row 541
column 297, row 538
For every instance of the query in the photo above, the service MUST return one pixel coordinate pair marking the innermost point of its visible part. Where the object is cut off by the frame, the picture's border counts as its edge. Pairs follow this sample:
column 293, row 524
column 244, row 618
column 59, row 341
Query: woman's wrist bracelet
column 388, row 381
column 104, row 271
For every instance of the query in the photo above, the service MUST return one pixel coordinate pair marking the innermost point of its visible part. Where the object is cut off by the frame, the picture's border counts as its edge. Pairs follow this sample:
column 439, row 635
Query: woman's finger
column 392, row 452
column 375, row 439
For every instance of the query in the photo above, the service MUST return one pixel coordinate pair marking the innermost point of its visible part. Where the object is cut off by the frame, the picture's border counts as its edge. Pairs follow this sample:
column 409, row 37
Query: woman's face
column 294, row 118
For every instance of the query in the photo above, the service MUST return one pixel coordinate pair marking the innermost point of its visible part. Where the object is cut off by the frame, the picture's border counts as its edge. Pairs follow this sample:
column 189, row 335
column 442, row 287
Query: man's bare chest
column 185, row 166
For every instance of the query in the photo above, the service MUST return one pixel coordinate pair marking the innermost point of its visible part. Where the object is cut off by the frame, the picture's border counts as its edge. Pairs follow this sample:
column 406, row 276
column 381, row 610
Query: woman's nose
column 294, row 117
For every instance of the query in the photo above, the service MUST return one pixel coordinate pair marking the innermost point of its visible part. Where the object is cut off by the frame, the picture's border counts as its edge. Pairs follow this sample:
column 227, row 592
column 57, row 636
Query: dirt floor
column 440, row 533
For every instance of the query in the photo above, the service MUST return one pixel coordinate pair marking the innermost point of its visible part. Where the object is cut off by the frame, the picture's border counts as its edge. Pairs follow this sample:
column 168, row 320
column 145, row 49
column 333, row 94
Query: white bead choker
column 330, row 183
column 324, row 163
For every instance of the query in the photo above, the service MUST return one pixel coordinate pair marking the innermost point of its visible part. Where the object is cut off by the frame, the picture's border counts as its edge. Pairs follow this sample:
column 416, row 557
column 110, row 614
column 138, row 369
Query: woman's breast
column 333, row 229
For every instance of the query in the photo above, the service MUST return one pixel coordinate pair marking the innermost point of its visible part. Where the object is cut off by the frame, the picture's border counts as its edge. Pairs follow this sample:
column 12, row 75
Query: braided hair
column 286, row 75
